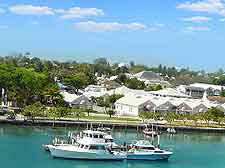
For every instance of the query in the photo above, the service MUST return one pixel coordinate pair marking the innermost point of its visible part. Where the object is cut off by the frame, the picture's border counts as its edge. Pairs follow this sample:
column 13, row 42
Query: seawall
column 139, row 127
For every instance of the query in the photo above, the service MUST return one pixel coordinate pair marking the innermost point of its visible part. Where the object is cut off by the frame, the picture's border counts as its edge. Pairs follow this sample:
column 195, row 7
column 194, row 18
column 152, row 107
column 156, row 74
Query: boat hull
column 148, row 156
column 66, row 154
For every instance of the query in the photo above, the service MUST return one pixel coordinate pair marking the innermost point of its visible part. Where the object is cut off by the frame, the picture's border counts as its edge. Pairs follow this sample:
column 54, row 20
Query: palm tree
column 51, row 93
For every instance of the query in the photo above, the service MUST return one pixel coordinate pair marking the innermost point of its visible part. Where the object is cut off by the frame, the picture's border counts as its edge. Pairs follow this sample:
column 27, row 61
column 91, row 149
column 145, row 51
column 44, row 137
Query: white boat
column 144, row 150
column 91, row 146
column 171, row 130
column 74, row 137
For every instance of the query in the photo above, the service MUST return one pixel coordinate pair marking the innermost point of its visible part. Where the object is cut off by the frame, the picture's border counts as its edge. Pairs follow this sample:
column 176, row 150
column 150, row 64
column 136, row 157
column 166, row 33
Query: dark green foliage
column 134, row 83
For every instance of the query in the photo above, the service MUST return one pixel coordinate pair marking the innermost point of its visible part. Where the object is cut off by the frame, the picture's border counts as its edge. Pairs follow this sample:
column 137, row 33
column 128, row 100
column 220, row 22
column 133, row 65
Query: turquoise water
column 20, row 147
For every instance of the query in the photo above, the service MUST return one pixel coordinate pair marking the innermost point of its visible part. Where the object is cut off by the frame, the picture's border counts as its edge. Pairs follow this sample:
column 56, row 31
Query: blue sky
column 183, row 33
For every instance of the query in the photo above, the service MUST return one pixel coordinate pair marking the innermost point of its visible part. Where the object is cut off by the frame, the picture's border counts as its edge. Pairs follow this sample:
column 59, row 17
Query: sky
column 181, row 33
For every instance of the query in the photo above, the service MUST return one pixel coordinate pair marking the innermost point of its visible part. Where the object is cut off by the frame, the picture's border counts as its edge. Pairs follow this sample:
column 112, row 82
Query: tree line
column 213, row 115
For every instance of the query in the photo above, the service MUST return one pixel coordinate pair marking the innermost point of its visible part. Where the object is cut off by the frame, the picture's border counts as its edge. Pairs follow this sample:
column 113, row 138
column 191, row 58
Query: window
column 93, row 148
column 147, row 148
column 85, row 146
column 100, row 136
column 108, row 140
column 130, row 109
column 95, row 136
column 97, row 147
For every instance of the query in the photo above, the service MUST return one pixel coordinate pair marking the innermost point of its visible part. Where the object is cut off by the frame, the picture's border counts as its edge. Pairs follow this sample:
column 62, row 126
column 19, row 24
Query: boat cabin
column 95, row 147
column 96, row 136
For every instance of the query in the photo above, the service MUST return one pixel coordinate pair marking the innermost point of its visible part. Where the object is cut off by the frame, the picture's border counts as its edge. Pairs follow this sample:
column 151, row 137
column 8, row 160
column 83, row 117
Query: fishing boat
column 144, row 150
column 73, row 137
column 91, row 146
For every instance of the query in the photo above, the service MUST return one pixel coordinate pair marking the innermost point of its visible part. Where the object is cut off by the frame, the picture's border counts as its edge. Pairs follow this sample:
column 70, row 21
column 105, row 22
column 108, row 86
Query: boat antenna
column 152, row 133
column 158, row 145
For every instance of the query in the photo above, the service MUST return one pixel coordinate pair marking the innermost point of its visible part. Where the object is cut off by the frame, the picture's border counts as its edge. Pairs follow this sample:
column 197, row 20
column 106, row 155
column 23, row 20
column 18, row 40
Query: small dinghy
column 150, row 132
column 171, row 131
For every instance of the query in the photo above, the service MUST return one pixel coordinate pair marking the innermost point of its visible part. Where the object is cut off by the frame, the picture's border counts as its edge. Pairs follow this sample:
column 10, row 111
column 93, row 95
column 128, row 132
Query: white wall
column 122, row 109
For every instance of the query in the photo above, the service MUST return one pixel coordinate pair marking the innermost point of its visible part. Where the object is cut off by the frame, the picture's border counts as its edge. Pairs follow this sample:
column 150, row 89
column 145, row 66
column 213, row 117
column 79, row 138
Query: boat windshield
column 108, row 140
column 146, row 148
column 97, row 147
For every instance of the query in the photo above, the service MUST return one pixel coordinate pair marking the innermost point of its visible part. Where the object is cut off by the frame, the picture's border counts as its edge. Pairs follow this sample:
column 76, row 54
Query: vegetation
column 34, row 110
column 31, row 85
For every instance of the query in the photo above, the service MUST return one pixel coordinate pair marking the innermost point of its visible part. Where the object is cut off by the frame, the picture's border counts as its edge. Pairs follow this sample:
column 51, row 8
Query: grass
column 198, row 125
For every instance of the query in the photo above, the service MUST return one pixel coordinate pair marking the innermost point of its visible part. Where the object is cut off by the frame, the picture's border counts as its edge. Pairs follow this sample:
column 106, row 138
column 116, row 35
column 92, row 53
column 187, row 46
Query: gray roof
column 148, row 75
column 82, row 100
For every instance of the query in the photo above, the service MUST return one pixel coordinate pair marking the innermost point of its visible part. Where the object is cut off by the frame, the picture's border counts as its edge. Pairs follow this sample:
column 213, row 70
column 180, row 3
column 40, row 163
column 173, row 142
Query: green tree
column 134, row 83
column 121, row 79
column 215, row 113
column 101, row 66
column 51, row 94
column 77, row 82
column 146, row 115
column 78, row 113
column 110, row 112
column 53, row 112
column 195, row 118
column 184, row 118
column 171, row 117
column 33, row 110
column 113, row 98
column 63, row 111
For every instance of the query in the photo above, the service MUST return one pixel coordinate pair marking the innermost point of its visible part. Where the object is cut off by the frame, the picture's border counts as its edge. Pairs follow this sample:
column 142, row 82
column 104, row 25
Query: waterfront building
column 131, row 105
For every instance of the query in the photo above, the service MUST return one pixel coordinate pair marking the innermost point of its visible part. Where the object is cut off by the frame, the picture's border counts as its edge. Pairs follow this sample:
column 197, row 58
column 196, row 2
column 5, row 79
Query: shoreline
column 138, row 127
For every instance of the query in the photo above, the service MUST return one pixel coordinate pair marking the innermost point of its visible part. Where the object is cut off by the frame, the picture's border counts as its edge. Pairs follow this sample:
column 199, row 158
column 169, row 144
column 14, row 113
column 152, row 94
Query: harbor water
column 21, row 147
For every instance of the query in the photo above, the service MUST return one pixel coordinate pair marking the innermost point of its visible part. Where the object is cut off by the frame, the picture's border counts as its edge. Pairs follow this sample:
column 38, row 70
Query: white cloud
column 77, row 12
column 2, row 11
column 197, row 19
column 91, row 26
column 208, row 6
column 3, row 27
column 31, row 10
column 196, row 29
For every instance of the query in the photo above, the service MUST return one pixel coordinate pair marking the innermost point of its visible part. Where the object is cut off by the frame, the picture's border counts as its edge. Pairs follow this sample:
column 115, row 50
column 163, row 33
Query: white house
column 193, row 91
column 211, row 89
column 131, row 105
column 95, row 88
